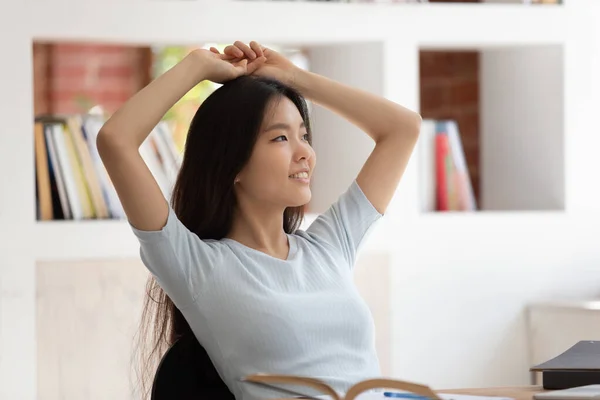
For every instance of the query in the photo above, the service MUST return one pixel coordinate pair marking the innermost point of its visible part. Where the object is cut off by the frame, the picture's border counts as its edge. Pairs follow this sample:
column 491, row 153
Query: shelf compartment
column 521, row 146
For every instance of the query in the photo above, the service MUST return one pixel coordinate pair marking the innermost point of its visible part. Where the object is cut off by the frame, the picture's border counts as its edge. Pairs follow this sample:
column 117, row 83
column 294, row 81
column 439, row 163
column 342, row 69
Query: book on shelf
column 543, row 1
column 445, row 181
column 304, row 387
column 71, row 180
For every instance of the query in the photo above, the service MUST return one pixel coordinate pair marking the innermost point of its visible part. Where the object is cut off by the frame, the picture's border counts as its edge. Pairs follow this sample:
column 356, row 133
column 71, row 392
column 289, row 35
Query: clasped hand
column 245, row 59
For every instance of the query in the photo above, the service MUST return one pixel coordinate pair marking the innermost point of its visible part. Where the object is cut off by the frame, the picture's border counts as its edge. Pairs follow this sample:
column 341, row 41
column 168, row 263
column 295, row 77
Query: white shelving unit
column 376, row 47
column 66, row 240
column 522, row 144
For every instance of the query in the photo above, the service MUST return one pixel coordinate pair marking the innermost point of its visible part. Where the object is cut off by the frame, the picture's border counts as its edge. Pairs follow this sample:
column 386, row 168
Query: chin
column 300, row 199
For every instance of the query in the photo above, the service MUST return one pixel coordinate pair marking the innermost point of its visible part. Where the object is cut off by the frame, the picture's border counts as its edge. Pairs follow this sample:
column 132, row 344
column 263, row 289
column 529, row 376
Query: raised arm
column 394, row 129
column 121, row 136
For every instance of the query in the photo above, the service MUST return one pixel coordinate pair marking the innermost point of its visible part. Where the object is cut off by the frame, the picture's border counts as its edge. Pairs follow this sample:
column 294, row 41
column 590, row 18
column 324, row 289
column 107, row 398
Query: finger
column 257, row 48
column 267, row 52
column 242, row 62
column 233, row 51
column 230, row 58
column 247, row 50
column 256, row 64
column 214, row 50
column 242, row 66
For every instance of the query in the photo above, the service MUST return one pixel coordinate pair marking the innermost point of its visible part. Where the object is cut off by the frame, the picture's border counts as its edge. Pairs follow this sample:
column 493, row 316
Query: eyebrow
column 282, row 125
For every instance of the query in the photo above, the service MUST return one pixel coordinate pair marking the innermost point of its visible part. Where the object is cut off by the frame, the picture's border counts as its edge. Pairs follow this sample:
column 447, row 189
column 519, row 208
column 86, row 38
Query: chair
column 186, row 372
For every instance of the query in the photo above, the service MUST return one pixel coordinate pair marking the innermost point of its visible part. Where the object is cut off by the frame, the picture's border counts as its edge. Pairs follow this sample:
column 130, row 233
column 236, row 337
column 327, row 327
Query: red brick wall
column 450, row 90
column 68, row 78
column 449, row 83
column 41, row 75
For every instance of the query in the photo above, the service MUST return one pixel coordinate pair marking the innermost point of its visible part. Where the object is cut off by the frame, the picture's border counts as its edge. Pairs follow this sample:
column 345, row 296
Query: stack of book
column 445, row 181
column 71, row 180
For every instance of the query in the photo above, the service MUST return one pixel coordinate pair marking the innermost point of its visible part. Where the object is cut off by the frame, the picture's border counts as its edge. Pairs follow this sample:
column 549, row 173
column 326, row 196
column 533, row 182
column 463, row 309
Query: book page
column 392, row 395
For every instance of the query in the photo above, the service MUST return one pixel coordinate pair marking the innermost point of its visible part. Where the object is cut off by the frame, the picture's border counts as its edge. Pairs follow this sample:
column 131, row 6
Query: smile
column 300, row 175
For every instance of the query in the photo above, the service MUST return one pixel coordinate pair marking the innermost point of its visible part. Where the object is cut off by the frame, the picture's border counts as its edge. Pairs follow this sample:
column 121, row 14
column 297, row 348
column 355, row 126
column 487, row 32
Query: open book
column 275, row 382
column 371, row 389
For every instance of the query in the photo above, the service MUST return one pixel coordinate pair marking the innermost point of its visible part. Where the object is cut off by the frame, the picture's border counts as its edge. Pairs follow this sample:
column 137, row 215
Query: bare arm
column 394, row 129
column 121, row 136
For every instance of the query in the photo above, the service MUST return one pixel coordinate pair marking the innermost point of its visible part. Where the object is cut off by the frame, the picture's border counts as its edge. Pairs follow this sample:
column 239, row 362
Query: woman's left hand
column 275, row 66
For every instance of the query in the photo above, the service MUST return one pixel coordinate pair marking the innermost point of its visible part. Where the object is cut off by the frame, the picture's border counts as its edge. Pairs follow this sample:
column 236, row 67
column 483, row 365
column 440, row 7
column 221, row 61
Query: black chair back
column 186, row 372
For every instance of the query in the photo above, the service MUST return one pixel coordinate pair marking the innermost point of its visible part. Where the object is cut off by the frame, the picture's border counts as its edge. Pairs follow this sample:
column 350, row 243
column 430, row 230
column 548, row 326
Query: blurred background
column 486, row 263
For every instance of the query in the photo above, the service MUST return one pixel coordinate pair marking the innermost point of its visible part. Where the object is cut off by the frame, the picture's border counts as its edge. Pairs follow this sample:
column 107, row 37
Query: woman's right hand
column 220, row 68
column 275, row 66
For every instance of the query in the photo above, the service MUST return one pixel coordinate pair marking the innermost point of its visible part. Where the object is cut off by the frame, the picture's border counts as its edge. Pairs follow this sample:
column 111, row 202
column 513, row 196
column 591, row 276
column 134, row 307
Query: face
column 282, row 161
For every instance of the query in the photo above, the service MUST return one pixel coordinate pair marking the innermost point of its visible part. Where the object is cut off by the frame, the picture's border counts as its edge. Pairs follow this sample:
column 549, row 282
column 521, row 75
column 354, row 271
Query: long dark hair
column 219, row 143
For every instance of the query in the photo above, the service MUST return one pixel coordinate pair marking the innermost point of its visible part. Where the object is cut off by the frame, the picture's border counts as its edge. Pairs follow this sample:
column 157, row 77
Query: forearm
column 132, row 123
column 378, row 117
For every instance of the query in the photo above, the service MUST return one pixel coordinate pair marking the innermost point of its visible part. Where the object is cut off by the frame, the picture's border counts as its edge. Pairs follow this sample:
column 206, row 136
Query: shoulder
column 354, row 199
column 175, row 243
column 350, row 214
column 344, row 225
column 182, row 263
column 173, row 229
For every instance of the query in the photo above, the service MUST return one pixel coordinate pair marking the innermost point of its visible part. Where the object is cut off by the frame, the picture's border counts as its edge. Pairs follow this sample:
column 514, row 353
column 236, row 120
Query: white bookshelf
column 371, row 45
column 74, row 240
column 182, row 22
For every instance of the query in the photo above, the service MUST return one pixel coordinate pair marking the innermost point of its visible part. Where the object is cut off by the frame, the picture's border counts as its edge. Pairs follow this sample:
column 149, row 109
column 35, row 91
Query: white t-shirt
column 254, row 313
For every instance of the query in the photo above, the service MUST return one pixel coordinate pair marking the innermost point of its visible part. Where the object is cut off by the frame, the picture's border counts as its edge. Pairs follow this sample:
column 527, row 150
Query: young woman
column 227, row 260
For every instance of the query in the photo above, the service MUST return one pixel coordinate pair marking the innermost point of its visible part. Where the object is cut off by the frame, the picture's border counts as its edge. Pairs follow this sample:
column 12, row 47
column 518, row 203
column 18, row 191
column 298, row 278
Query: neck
column 260, row 227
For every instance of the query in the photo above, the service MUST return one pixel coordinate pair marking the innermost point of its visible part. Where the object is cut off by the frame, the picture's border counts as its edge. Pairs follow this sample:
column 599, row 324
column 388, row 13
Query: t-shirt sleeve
column 346, row 222
column 178, row 259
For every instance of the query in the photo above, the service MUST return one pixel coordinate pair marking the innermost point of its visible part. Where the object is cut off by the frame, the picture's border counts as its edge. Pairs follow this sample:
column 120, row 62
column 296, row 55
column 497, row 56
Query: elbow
column 108, row 143
column 402, row 125
column 406, row 126
column 414, row 126
column 410, row 125
column 104, row 142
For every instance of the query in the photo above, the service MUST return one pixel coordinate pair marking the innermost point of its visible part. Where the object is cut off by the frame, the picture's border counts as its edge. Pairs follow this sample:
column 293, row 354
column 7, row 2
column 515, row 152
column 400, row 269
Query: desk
column 515, row 392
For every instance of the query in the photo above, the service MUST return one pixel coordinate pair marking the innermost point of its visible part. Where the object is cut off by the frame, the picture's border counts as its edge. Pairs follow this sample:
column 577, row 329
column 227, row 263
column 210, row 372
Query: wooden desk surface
column 515, row 392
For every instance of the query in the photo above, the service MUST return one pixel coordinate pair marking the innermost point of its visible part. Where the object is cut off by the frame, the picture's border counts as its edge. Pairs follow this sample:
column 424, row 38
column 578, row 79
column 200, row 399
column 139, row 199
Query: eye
column 306, row 137
column 279, row 137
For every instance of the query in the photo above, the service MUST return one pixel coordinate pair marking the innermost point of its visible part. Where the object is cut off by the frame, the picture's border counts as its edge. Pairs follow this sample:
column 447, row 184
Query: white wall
column 17, row 277
column 87, row 313
column 522, row 145
column 460, row 290
column 345, row 147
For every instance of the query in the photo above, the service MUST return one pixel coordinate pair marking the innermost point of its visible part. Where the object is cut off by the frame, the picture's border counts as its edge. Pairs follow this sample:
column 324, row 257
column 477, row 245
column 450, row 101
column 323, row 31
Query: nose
column 304, row 151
